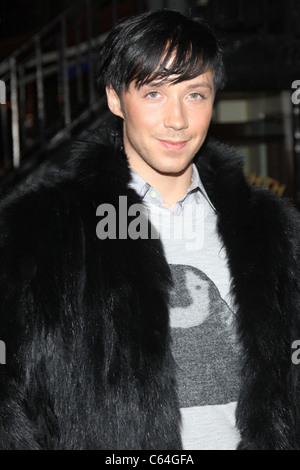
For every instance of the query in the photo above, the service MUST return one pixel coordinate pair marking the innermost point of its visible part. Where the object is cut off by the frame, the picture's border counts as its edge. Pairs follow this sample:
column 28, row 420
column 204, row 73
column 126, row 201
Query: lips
column 173, row 145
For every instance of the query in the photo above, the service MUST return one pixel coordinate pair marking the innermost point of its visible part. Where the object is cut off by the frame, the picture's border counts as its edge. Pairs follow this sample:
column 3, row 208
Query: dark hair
column 140, row 48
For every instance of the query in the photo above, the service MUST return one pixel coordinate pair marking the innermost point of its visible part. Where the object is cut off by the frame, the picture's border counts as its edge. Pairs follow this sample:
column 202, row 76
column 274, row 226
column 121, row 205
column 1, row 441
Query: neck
column 172, row 187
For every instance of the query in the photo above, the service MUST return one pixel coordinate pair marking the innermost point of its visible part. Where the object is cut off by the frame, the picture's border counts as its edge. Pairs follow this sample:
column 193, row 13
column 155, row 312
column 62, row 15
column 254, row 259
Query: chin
column 172, row 169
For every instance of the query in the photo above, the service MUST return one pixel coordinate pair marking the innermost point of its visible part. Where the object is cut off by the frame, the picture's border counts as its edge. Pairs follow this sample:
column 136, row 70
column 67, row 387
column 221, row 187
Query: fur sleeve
column 35, row 311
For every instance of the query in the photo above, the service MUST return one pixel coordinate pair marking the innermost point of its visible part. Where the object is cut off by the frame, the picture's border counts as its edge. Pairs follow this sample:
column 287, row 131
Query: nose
column 174, row 114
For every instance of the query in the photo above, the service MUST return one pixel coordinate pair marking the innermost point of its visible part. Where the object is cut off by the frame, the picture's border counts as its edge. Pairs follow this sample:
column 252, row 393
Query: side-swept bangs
column 156, row 46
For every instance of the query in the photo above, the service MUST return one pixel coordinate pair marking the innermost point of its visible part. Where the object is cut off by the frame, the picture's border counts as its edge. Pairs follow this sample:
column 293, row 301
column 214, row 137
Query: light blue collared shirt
column 151, row 195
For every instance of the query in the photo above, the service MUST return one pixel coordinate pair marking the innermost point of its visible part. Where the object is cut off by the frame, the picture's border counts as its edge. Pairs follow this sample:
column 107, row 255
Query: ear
column 114, row 102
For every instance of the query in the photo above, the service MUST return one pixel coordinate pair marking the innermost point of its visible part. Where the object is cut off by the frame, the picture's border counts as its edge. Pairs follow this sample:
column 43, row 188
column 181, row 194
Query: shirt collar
column 142, row 187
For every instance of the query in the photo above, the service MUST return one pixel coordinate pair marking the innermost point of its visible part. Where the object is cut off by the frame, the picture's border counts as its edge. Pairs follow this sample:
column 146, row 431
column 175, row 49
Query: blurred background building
column 48, row 51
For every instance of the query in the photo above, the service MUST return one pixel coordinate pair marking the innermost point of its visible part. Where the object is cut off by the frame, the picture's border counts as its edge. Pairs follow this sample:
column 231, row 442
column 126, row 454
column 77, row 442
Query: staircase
column 48, row 90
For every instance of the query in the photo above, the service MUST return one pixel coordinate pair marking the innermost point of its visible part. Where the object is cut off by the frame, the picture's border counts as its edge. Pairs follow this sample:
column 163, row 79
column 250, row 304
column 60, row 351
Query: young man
column 178, row 338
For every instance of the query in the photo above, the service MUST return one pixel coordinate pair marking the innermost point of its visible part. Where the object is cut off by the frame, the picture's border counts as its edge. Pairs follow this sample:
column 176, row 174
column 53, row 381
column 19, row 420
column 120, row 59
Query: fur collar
column 215, row 161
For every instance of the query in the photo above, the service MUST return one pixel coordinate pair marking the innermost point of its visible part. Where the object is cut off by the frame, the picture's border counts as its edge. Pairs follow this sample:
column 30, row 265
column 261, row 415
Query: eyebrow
column 189, row 87
column 200, row 85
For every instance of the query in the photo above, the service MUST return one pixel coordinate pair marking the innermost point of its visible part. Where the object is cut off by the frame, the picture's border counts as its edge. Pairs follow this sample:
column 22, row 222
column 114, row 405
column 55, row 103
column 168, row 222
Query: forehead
column 204, row 80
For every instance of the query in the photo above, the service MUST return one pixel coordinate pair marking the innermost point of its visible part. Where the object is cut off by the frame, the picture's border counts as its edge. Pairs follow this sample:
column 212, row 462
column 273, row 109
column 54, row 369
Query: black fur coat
column 85, row 321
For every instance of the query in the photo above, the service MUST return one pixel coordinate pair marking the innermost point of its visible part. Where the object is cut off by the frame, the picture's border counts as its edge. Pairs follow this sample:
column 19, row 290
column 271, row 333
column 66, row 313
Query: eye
column 153, row 95
column 195, row 96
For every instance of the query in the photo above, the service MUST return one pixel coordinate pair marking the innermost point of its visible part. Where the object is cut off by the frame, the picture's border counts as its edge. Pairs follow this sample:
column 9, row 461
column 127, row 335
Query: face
column 165, row 124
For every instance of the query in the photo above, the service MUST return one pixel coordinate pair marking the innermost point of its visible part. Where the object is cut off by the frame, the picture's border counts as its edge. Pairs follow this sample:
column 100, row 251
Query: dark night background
column 261, row 39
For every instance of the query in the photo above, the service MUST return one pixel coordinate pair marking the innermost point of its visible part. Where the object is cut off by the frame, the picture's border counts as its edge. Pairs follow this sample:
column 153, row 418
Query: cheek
column 201, row 122
column 146, row 118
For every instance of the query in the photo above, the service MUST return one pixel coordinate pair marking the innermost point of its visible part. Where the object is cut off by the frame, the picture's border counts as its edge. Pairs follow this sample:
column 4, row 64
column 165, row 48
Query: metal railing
column 50, row 80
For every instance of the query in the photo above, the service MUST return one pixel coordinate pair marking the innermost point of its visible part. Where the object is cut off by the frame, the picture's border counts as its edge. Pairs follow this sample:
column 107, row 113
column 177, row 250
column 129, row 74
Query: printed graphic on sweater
column 204, row 344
